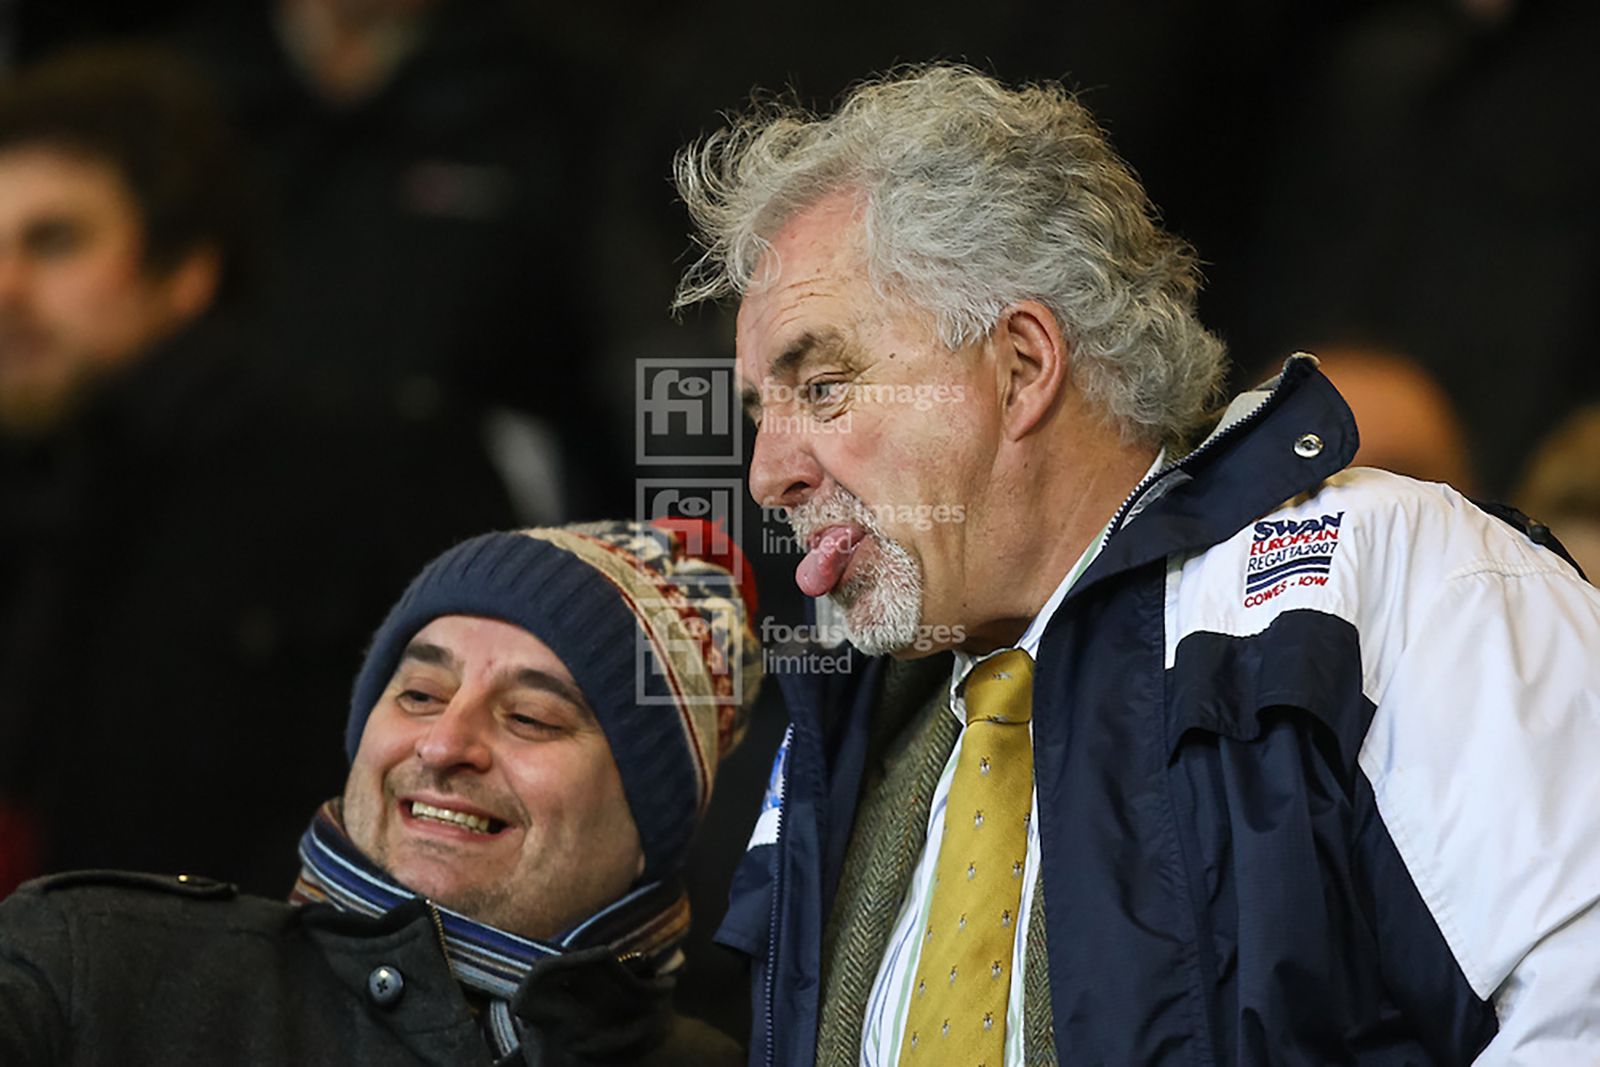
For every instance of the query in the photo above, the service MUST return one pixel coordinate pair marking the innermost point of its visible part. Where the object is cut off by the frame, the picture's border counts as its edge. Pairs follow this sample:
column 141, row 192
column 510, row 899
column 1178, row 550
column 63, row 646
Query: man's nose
column 784, row 471
column 458, row 737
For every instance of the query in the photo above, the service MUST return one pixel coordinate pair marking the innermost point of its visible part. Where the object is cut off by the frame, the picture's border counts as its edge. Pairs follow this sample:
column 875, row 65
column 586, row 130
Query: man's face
column 484, row 782
column 874, row 435
column 75, row 297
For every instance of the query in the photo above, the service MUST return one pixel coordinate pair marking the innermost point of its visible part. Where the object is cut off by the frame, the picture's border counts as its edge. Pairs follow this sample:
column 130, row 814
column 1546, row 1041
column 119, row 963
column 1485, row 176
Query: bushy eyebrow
column 431, row 654
column 786, row 365
column 545, row 682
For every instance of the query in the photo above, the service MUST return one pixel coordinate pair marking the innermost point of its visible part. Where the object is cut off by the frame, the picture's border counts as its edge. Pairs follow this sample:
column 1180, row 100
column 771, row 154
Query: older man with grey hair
column 1181, row 741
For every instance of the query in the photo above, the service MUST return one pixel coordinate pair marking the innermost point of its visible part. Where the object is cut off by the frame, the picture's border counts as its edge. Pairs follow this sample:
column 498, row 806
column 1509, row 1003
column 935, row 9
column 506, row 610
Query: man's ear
column 1032, row 362
column 192, row 284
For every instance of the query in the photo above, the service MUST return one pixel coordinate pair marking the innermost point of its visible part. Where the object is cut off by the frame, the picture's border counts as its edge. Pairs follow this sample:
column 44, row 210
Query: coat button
column 384, row 986
column 1308, row 445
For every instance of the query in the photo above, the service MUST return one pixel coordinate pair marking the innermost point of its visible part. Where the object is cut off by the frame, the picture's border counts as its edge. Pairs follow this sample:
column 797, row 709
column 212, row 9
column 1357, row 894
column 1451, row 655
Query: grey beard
column 882, row 605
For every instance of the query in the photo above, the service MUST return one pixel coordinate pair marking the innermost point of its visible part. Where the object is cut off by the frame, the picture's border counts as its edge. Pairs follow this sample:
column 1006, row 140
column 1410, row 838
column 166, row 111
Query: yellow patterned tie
column 958, row 1005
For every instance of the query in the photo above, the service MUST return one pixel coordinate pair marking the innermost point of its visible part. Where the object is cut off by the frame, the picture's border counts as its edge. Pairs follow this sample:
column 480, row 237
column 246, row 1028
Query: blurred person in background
column 1406, row 420
column 1561, row 486
column 185, row 557
column 1434, row 187
column 430, row 188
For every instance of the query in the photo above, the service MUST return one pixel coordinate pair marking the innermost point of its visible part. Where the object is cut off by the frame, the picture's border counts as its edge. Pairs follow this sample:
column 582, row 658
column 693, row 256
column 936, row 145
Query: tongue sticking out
column 820, row 571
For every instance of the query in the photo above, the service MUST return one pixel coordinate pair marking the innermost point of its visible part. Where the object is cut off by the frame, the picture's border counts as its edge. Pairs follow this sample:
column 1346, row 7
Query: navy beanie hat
column 653, row 621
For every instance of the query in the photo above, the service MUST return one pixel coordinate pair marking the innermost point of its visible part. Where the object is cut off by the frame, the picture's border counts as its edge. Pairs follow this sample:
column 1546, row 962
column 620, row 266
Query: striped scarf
column 650, row 921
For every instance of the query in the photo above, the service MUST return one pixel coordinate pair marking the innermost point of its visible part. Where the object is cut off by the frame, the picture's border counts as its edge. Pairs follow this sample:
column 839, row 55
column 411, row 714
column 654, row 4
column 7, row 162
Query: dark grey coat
column 113, row 968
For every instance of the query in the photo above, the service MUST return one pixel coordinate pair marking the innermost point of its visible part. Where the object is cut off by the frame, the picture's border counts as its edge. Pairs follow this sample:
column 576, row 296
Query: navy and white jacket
column 1318, row 781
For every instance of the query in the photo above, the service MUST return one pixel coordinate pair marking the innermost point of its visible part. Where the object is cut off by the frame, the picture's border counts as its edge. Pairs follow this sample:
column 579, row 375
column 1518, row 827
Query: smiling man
column 533, row 738
column 472, row 842
column 1191, row 745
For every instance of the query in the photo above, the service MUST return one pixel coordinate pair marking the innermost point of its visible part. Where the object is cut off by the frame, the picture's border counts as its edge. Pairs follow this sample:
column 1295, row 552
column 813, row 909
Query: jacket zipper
column 1210, row 442
column 772, row 920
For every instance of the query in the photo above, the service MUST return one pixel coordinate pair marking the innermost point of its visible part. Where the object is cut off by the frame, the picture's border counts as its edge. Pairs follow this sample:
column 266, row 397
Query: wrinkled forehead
column 811, row 280
column 775, row 320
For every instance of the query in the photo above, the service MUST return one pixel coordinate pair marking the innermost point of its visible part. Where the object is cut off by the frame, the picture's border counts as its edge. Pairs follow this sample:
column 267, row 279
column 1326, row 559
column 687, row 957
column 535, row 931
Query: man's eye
column 415, row 700
column 531, row 726
column 55, row 240
column 822, row 394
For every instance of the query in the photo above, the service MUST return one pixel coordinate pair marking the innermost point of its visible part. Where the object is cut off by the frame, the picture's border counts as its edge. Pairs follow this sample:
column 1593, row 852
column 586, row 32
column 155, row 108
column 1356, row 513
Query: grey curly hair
column 973, row 196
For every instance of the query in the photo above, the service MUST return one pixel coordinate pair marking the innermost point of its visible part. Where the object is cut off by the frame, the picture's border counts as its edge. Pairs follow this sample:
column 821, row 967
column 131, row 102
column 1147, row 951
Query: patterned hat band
column 697, row 648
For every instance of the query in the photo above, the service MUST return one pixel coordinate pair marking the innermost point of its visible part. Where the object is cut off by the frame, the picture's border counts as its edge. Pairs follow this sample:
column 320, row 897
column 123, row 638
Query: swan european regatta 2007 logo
column 1289, row 552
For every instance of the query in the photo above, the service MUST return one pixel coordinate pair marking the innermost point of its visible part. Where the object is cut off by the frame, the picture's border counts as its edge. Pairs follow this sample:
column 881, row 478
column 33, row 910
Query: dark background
column 1419, row 176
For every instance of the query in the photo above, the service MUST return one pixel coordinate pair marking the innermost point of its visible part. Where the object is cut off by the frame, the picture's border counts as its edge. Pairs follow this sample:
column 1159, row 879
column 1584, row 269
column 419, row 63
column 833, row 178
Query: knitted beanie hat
column 653, row 621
